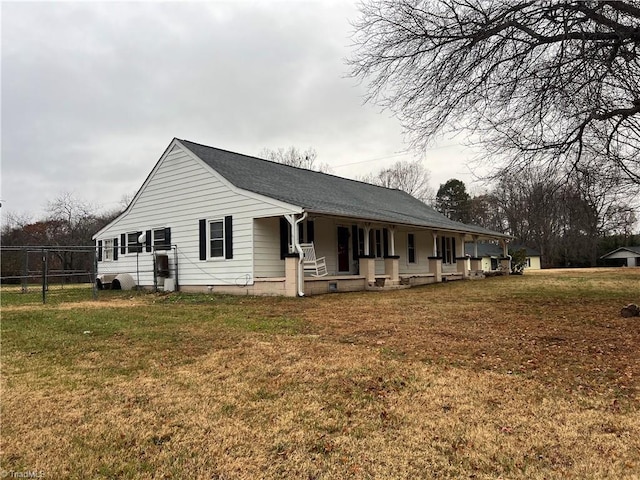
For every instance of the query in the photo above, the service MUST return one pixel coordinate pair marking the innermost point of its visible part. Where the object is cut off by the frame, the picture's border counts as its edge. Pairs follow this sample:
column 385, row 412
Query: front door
column 343, row 249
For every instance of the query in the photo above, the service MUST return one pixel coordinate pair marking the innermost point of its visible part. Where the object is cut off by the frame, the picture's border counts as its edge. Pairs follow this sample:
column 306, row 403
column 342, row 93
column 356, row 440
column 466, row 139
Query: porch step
column 476, row 275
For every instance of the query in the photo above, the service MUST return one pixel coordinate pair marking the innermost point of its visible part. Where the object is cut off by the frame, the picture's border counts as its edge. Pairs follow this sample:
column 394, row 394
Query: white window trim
column 224, row 245
column 415, row 250
column 107, row 250
column 449, row 254
column 153, row 237
column 373, row 243
column 136, row 244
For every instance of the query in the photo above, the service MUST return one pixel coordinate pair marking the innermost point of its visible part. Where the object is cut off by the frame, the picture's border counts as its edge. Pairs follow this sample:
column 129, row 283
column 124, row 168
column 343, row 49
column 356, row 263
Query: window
column 528, row 262
column 162, row 239
column 216, row 239
column 108, row 250
column 378, row 243
column 133, row 246
column 411, row 248
column 448, row 250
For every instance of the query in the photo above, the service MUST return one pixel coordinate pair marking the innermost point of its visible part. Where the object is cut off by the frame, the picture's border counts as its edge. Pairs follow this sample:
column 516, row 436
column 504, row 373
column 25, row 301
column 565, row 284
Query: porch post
column 367, row 266
column 435, row 267
column 505, row 249
column 435, row 243
column 475, row 264
column 505, row 261
column 291, row 275
column 392, row 241
column 392, row 261
column 461, row 259
column 367, row 229
column 461, row 263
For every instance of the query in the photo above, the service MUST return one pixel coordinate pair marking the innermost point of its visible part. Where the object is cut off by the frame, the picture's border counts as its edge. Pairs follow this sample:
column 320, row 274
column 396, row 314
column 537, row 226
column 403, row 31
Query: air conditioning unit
column 162, row 265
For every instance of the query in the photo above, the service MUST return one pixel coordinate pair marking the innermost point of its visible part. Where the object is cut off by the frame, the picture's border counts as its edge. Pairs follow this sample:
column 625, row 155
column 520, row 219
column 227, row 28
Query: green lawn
column 522, row 377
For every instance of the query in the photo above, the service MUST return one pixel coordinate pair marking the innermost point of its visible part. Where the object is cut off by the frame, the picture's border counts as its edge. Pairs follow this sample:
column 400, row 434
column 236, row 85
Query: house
column 207, row 219
column 623, row 256
column 492, row 254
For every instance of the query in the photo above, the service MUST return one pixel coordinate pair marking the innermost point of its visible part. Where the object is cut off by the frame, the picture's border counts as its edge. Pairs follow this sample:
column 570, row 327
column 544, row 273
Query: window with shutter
column 216, row 239
column 162, row 239
column 108, row 250
column 133, row 245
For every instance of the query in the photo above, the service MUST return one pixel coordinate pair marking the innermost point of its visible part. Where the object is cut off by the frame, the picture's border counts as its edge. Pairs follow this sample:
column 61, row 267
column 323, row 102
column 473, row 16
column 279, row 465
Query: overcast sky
column 92, row 94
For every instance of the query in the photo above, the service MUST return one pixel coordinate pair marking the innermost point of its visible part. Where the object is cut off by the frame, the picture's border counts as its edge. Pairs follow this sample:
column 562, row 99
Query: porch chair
column 317, row 267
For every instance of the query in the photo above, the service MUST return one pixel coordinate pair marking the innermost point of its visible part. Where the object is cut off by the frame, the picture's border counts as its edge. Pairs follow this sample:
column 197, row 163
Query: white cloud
column 92, row 93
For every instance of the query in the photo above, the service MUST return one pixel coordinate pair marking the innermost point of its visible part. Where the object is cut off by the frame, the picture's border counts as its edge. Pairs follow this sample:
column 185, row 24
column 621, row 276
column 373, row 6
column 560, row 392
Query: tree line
column 69, row 223
column 570, row 222
column 570, row 217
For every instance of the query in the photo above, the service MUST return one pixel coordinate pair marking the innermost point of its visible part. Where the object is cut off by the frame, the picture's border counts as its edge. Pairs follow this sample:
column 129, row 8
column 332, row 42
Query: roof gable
column 633, row 249
column 324, row 193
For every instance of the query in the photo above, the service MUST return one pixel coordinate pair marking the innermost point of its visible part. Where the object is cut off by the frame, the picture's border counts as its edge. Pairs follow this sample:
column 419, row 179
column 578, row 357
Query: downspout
column 296, row 244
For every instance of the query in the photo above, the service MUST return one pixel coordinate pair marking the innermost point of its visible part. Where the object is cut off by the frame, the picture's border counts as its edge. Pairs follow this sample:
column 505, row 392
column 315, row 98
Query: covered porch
column 367, row 255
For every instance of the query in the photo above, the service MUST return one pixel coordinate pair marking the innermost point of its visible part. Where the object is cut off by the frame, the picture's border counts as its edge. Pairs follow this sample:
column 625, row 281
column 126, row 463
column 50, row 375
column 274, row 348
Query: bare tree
column 539, row 82
column 295, row 158
column 408, row 176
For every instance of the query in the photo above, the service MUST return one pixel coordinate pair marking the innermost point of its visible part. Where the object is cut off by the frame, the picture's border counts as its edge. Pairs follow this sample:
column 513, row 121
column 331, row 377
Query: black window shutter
column 310, row 231
column 354, row 242
column 99, row 250
column 115, row 248
column 301, row 232
column 453, row 250
column 167, row 238
column 228, row 237
column 284, row 238
column 385, row 243
column 148, row 240
column 123, row 243
column 377, row 244
column 443, row 242
column 203, row 239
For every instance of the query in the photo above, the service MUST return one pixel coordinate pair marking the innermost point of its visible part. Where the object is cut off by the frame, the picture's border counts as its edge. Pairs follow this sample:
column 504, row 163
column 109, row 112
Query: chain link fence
column 155, row 270
column 56, row 273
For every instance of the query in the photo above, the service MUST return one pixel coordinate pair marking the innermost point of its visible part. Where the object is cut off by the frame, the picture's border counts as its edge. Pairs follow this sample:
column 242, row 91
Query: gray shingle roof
column 492, row 250
column 632, row 249
column 323, row 193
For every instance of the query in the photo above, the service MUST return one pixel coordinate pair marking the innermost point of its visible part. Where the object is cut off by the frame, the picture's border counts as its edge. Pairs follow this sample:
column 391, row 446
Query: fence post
column 25, row 272
column 94, row 274
column 44, row 276
column 175, row 266
column 155, row 272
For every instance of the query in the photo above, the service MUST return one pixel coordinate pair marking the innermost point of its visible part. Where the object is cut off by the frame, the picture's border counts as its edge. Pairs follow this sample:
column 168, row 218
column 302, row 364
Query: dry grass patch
column 530, row 377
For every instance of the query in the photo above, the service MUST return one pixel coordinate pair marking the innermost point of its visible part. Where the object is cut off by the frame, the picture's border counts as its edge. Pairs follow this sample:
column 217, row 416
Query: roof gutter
column 296, row 244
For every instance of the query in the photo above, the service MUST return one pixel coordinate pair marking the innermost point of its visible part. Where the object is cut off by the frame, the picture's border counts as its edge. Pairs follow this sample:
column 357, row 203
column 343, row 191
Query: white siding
column 326, row 242
column 424, row 249
column 266, row 246
column 179, row 192
column 535, row 263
